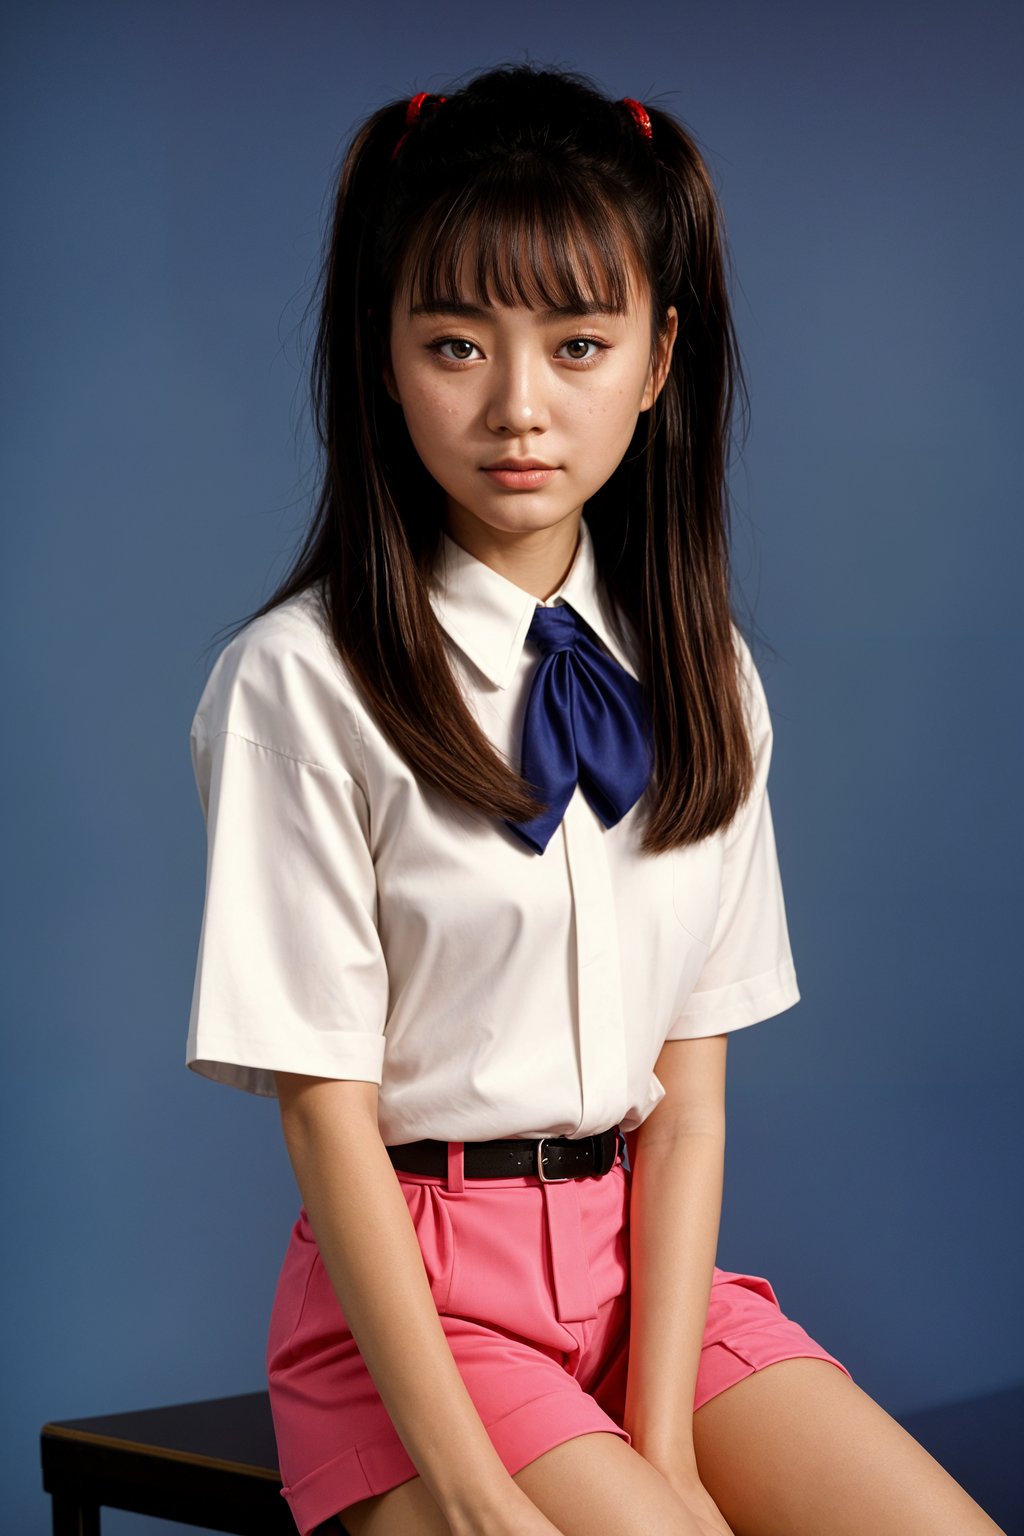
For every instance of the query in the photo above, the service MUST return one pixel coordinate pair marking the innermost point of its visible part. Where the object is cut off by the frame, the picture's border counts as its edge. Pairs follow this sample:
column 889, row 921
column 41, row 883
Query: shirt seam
column 358, row 734
column 292, row 757
column 340, row 775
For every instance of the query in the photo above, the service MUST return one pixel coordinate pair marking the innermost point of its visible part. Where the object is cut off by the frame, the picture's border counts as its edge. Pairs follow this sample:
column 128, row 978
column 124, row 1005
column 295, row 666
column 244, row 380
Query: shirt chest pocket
column 696, row 880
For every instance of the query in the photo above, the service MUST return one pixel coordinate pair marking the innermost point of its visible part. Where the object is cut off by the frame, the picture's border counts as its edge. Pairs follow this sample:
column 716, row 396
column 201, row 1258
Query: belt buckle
column 565, row 1179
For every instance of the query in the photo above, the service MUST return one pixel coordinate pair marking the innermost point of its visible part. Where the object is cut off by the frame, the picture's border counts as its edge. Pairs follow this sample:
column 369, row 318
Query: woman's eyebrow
column 469, row 311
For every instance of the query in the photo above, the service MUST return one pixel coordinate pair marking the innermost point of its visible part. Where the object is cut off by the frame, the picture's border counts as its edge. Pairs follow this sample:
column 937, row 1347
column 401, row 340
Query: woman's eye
column 453, row 341
column 584, row 341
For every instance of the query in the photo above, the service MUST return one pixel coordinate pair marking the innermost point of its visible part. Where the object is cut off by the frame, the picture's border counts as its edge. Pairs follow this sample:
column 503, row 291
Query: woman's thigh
column 798, row 1449
column 410, row 1507
column 591, row 1485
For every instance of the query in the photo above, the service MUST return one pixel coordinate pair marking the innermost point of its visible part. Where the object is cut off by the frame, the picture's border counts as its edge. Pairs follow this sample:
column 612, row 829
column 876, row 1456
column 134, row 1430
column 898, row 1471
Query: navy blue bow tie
column 586, row 721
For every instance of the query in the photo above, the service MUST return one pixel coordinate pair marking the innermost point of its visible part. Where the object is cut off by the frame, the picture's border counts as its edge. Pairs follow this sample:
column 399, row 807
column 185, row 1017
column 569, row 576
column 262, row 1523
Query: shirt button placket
column 601, row 1019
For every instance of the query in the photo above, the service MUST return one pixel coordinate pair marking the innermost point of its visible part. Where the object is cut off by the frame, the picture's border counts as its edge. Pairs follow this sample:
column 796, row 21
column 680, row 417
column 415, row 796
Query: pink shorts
column 531, row 1285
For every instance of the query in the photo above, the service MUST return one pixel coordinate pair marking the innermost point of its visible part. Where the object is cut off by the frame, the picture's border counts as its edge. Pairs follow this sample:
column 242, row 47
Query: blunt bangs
column 533, row 237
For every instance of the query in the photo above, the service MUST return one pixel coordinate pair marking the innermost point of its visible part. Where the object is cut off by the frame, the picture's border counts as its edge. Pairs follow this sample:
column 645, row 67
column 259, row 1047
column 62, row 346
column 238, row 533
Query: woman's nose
column 518, row 399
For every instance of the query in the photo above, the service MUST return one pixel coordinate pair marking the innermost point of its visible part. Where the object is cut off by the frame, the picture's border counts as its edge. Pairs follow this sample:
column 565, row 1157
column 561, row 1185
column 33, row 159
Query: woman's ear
column 662, row 359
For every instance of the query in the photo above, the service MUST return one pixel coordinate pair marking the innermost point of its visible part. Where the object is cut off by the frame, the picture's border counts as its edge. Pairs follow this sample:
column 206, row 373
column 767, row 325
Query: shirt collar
column 488, row 616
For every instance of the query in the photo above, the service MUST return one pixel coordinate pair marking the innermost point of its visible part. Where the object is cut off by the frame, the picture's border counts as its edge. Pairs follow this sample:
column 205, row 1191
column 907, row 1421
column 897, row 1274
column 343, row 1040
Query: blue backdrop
column 166, row 170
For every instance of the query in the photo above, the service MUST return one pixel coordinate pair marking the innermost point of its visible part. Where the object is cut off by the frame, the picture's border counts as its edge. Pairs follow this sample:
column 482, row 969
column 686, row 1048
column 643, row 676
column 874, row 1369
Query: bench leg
column 71, row 1517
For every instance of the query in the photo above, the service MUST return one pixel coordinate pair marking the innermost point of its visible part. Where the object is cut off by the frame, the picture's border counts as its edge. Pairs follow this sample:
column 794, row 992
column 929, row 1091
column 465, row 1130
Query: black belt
column 552, row 1159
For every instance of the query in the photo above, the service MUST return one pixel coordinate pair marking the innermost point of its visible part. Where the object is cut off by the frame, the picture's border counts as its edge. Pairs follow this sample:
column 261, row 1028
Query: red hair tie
column 639, row 112
column 412, row 112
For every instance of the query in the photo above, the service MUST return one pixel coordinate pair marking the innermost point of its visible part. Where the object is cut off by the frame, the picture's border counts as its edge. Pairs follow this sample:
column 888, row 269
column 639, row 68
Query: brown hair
column 553, row 186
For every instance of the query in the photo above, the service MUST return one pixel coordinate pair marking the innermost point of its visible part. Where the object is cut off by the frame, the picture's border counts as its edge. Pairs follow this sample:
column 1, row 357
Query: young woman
column 492, row 875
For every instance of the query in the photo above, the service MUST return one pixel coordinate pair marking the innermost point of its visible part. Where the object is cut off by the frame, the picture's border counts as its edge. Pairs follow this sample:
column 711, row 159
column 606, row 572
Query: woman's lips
column 520, row 479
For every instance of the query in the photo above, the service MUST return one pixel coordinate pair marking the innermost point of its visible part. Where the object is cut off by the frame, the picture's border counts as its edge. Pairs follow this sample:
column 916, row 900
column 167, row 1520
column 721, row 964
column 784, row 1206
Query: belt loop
column 456, row 1163
column 572, row 1279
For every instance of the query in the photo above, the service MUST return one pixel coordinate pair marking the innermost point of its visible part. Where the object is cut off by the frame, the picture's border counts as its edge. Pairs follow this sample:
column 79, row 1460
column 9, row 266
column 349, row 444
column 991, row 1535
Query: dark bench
column 214, row 1464
column 211, row 1464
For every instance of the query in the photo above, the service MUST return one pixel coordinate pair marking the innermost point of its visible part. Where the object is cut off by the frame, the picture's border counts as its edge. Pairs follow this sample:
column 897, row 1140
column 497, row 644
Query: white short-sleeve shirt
column 358, row 925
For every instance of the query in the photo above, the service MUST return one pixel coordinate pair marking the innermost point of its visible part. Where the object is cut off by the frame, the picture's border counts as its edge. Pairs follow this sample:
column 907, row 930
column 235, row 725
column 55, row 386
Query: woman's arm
column 677, row 1159
column 371, row 1253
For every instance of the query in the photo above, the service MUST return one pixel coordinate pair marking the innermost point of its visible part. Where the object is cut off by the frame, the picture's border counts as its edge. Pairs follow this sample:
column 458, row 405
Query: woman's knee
column 598, row 1485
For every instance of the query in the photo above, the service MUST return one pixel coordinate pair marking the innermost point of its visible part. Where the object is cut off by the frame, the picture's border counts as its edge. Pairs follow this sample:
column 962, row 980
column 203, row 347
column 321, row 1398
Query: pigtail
column 686, row 609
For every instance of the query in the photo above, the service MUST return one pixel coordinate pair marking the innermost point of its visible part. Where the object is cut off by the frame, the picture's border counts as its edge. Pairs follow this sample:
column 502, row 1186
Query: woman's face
column 482, row 385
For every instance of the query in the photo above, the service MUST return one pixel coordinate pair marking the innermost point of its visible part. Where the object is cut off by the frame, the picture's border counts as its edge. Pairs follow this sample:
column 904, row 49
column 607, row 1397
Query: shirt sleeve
column 290, row 973
column 748, row 974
